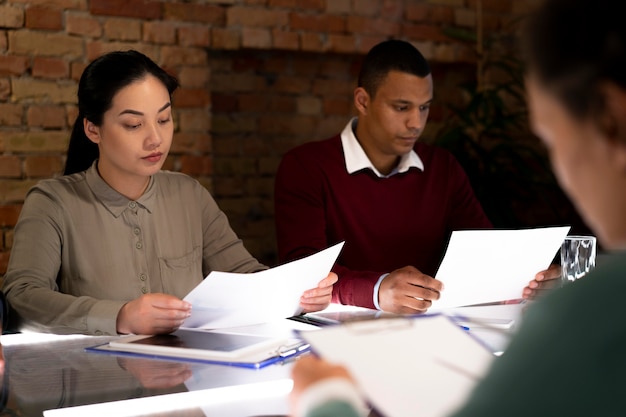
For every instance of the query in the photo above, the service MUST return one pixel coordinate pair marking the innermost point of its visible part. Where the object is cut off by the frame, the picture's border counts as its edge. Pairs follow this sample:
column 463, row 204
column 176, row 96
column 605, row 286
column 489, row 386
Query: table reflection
column 58, row 372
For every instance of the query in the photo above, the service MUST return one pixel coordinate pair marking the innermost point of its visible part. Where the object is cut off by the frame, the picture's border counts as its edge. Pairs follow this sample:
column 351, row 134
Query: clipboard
column 239, row 350
column 420, row 365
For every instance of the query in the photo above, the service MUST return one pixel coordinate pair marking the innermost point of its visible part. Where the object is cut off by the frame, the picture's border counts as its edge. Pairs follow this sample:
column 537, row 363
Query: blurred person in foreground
column 568, row 357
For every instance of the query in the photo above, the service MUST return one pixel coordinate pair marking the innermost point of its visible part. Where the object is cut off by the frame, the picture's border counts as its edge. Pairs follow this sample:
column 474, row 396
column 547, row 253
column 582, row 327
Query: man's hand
column 152, row 314
column 408, row 291
column 543, row 282
column 318, row 298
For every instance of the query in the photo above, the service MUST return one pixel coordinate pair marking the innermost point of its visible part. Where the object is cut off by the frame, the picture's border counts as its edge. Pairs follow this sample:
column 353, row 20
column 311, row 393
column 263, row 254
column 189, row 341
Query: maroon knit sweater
column 387, row 223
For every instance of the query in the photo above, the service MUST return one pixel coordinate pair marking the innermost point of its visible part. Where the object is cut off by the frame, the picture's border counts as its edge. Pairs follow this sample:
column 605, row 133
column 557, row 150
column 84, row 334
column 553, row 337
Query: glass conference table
column 55, row 376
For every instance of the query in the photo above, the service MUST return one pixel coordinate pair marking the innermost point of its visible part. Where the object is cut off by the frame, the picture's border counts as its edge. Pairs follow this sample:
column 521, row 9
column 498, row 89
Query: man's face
column 391, row 122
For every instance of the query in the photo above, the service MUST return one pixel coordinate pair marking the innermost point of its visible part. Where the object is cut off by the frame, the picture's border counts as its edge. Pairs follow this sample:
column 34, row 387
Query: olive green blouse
column 81, row 250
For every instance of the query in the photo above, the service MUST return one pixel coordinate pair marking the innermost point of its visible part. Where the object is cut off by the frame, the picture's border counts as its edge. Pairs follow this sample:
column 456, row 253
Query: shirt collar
column 115, row 202
column 357, row 160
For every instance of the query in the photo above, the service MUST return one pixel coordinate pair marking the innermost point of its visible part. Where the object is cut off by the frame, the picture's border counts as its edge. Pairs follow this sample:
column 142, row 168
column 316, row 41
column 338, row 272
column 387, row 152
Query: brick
column 46, row 116
column 4, row 44
column 233, row 82
column 192, row 142
column 82, row 24
column 172, row 56
column 9, row 214
column 98, row 48
column 52, row 68
column 315, row 5
column 225, row 38
column 282, row 104
column 360, row 24
column 159, row 32
column 42, row 90
column 341, row 43
column 261, row 187
column 323, row 23
column 309, row 105
column 192, row 97
column 367, row 7
column 465, row 18
column 256, row 38
column 367, row 42
column 11, row 16
column 59, row 4
column 291, row 84
column 312, row 42
column 337, row 106
column 10, row 167
column 233, row 123
column 293, row 125
column 196, row 165
column 500, row 6
column 282, row 39
column 225, row 103
column 14, row 191
column 189, row 12
column 392, row 9
column 229, row 187
column 325, row 88
column 4, row 262
column 195, row 35
column 27, row 42
column 194, row 76
column 256, row 17
column 13, row 65
column 34, row 141
column 5, row 88
column 122, row 29
column 72, row 114
column 43, row 166
column 8, row 238
column 76, row 70
column 141, row 9
column 455, row 3
column 42, row 17
column 339, row 7
column 11, row 114
column 253, row 103
column 193, row 120
column 424, row 32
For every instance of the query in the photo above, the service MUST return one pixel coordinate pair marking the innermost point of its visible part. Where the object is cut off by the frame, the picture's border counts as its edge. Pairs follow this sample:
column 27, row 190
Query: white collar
column 357, row 160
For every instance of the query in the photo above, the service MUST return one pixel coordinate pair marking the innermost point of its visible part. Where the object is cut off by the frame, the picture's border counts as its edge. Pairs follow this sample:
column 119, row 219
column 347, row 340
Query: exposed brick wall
column 257, row 77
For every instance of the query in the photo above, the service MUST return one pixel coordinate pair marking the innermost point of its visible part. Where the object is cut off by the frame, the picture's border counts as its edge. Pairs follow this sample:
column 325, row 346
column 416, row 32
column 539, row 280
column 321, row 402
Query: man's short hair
column 391, row 55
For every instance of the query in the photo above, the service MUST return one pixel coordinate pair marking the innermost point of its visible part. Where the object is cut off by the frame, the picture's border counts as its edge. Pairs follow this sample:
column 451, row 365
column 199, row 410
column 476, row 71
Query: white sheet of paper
column 483, row 266
column 226, row 299
column 406, row 367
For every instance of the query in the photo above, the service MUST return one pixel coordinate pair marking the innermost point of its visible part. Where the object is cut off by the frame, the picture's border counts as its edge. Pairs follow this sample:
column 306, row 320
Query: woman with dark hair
column 568, row 357
column 115, row 244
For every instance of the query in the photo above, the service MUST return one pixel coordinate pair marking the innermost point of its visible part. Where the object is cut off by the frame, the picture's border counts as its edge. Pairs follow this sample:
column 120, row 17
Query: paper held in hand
column 225, row 299
column 483, row 266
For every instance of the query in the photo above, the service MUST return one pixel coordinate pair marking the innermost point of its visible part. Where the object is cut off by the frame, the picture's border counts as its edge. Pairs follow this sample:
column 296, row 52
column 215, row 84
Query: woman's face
column 587, row 164
column 135, row 136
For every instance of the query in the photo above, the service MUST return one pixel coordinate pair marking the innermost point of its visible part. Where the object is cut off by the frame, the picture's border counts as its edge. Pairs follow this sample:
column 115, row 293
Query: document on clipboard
column 242, row 350
column 424, row 365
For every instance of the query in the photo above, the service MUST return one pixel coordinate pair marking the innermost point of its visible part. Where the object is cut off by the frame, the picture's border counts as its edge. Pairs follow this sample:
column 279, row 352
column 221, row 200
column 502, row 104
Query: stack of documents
column 230, row 301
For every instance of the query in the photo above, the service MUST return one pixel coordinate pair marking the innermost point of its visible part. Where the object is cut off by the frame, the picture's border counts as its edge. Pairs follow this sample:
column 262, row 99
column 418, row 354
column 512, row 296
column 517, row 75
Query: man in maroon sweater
column 393, row 200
